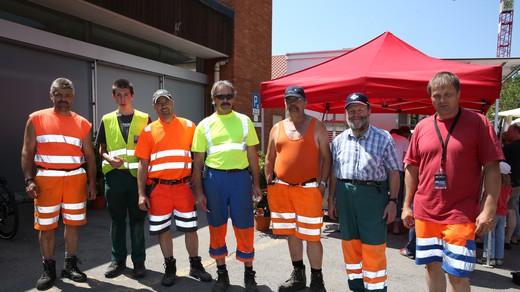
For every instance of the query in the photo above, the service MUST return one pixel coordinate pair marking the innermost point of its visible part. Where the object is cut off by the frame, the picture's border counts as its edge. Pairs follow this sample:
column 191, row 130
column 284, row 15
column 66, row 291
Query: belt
column 306, row 184
column 229, row 170
column 171, row 182
column 60, row 169
column 361, row 182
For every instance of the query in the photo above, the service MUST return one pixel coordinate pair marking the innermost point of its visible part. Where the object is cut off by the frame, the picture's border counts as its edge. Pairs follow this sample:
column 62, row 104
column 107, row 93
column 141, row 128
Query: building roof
column 279, row 66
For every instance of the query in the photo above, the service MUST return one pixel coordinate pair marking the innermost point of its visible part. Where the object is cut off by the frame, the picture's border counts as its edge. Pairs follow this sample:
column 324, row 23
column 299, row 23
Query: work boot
column 197, row 271
column 317, row 284
column 139, row 270
column 48, row 276
column 249, row 281
column 71, row 270
column 115, row 269
column 169, row 272
column 297, row 281
column 222, row 281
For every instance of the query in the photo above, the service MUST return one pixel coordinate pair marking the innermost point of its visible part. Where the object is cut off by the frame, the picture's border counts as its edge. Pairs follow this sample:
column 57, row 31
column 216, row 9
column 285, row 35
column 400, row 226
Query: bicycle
column 9, row 219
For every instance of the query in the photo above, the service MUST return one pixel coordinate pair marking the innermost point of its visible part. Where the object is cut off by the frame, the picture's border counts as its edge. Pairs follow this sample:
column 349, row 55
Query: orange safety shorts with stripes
column 60, row 191
column 296, row 210
column 452, row 244
column 167, row 199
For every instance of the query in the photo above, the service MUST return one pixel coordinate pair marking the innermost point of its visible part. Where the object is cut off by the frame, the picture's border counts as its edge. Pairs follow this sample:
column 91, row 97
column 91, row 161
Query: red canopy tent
column 393, row 75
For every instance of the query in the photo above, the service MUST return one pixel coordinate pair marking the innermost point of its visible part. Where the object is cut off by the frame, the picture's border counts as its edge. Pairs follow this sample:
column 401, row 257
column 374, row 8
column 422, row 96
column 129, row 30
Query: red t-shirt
column 505, row 193
column 472, row 144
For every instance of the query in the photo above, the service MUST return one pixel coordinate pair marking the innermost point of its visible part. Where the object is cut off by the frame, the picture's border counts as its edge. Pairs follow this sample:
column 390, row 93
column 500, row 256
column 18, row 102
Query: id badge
column 440, row 181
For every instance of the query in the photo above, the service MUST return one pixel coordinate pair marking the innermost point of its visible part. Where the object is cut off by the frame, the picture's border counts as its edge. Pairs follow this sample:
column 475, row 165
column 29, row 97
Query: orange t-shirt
column 297, row 160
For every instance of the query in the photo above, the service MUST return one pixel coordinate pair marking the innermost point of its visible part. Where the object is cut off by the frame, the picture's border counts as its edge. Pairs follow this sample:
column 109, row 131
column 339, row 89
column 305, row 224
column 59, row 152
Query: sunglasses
column 224, row 96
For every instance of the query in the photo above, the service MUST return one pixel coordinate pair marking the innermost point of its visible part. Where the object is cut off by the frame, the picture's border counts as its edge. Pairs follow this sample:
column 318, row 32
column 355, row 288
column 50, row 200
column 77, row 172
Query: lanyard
column 445, row 144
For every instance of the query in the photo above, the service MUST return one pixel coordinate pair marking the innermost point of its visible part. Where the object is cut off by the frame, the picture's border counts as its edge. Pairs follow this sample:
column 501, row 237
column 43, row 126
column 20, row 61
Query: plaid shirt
column 365, row 158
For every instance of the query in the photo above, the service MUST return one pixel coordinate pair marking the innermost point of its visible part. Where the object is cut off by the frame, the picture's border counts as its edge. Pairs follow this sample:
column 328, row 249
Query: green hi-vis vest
column 116, row 145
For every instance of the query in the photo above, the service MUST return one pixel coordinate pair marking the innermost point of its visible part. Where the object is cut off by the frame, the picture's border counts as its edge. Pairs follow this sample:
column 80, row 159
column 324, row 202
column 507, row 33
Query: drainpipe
column 217, row 69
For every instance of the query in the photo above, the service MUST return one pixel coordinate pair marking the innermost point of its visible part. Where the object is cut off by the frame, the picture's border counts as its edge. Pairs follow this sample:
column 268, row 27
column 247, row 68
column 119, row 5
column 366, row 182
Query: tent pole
column 497, row 104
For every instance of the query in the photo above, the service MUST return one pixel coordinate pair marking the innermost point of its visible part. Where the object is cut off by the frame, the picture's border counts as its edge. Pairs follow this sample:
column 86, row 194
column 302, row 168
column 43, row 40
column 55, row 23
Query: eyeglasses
column 224, row 96
column 293, row 99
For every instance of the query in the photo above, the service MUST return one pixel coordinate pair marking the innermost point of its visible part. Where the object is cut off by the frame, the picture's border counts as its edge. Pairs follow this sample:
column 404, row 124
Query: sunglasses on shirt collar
column 224, row 96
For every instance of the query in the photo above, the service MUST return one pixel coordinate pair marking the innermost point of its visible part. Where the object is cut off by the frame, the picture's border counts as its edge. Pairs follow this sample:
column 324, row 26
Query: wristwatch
column 324, row 183
column 393, row 200
column 29, row 180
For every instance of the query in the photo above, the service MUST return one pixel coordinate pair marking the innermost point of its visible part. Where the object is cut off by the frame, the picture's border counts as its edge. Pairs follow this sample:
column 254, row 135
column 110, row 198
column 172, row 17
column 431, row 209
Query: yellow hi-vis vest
column 116, row 145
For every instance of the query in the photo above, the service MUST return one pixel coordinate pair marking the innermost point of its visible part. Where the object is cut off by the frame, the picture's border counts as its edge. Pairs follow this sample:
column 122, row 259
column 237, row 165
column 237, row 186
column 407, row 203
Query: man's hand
column 407, row 217
column 485, row 222
column 91, row 191
column 390, row 211
column 201, row 200
column 32, row 190
column 115, row 161
column 144, row 203
column 257, row 194
column 331, row 208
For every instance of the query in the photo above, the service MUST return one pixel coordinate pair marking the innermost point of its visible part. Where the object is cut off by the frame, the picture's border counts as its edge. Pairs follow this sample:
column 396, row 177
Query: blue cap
column 357, row 97
column 296, row 91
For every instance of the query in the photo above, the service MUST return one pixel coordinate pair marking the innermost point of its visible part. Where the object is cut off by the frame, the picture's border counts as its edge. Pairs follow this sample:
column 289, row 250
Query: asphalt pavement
column 20, row 261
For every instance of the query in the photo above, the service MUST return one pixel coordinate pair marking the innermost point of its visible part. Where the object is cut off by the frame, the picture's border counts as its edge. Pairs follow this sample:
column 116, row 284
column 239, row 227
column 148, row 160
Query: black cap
column 357, row 97
column 296, row 91
column 159, row 93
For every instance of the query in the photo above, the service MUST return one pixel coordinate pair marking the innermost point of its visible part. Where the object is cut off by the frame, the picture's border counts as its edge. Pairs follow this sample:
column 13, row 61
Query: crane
column 505, row 28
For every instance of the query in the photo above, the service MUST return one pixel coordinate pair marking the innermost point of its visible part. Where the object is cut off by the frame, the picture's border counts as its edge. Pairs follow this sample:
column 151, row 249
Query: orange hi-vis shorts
column 452, row 244
column 296, row 210
column 63, row 191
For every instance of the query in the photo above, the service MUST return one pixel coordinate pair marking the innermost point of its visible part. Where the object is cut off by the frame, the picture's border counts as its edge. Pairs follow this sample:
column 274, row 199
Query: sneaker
column 249, row 281
column 197, row 271
column 483, row 261
column 297, row 281
column 115, row 269
column 49, row 275
column 499, row 262
column 222, row 281
column 71, row 270
column 139, row 270
column 317, row 284
column 169, row 272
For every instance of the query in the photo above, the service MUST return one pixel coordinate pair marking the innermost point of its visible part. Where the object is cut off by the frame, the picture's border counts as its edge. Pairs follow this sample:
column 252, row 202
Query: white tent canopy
column 510, row 113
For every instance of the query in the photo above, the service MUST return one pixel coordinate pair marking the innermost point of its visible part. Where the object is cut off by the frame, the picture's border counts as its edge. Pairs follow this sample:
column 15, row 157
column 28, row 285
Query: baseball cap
column 159, row 93
column 296, row 91
column 357, row 97
column 505, row 168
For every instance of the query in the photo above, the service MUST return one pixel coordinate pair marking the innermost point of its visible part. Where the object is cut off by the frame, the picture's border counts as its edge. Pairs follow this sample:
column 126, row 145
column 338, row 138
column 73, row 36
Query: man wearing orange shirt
column 164, row 169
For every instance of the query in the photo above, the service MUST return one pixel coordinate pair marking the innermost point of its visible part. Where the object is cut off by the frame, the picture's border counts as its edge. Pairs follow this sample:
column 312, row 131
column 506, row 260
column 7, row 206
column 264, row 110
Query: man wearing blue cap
column 363, row 191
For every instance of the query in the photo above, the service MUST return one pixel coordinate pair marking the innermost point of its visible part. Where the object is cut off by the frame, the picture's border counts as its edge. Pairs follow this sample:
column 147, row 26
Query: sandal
column 404, row 253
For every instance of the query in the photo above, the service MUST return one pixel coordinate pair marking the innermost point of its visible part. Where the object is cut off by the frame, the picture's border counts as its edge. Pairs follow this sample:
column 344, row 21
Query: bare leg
column 166, row 243
column 191, row 239
column 457, row 284
column 71, row 235
column 315, row 253
column 295, row 247
column 47, row 243
column 435, row 277
column 510, row 225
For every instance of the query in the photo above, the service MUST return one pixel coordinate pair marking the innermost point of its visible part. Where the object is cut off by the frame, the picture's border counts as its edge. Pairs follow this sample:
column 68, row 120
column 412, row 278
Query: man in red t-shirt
column 448, row 154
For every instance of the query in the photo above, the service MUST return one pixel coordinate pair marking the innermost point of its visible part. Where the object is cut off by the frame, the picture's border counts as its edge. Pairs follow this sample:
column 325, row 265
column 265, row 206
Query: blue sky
column 438, row 28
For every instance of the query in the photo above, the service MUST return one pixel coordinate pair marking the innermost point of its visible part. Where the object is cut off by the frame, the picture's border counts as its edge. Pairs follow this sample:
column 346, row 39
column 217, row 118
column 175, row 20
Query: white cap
column 505, row 168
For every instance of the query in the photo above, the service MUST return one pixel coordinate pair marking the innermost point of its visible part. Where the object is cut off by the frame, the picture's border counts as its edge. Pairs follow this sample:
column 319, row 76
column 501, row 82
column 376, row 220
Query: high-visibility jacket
column 116, row 144
column 59, row 139
column 167, row 147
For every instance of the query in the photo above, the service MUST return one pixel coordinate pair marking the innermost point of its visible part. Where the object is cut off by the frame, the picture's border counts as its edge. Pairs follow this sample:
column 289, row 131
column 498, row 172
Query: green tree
column 509, row 97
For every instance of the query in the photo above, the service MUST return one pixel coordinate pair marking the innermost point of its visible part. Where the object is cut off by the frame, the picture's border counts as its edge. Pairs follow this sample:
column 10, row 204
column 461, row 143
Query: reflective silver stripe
column 309, row 220
column 283, row 215
column 277, row 225
column 459, row 250
column 375, row 286
column 376, row 274
column 355, row 276
column 59, row 139
column 59, row 159
column 163, row 226
column 76, row 206
column 46, row 221
column 184, row 224
column 188, row 215
column 212, row 149
column 170, row 165
column 59, row 173
column 357, row 266
column 124, row 151
column 132, row 165
column 308, row 231
column 420, row 254
column 170, row 153
column 47, row 210
column 74, row 217
column 307, row 185
column 156, row 219
column 429, row 241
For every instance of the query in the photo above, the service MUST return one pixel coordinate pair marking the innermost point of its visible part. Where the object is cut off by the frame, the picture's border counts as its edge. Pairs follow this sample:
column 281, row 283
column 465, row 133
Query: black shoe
column 317, row 284
column 222, row 281
column 115, row 269
column 71, row 270
column 49, row 275
column 249, row 281
column 197, row 271
column 297, row 281
column 169, row 272
column 139, row 270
